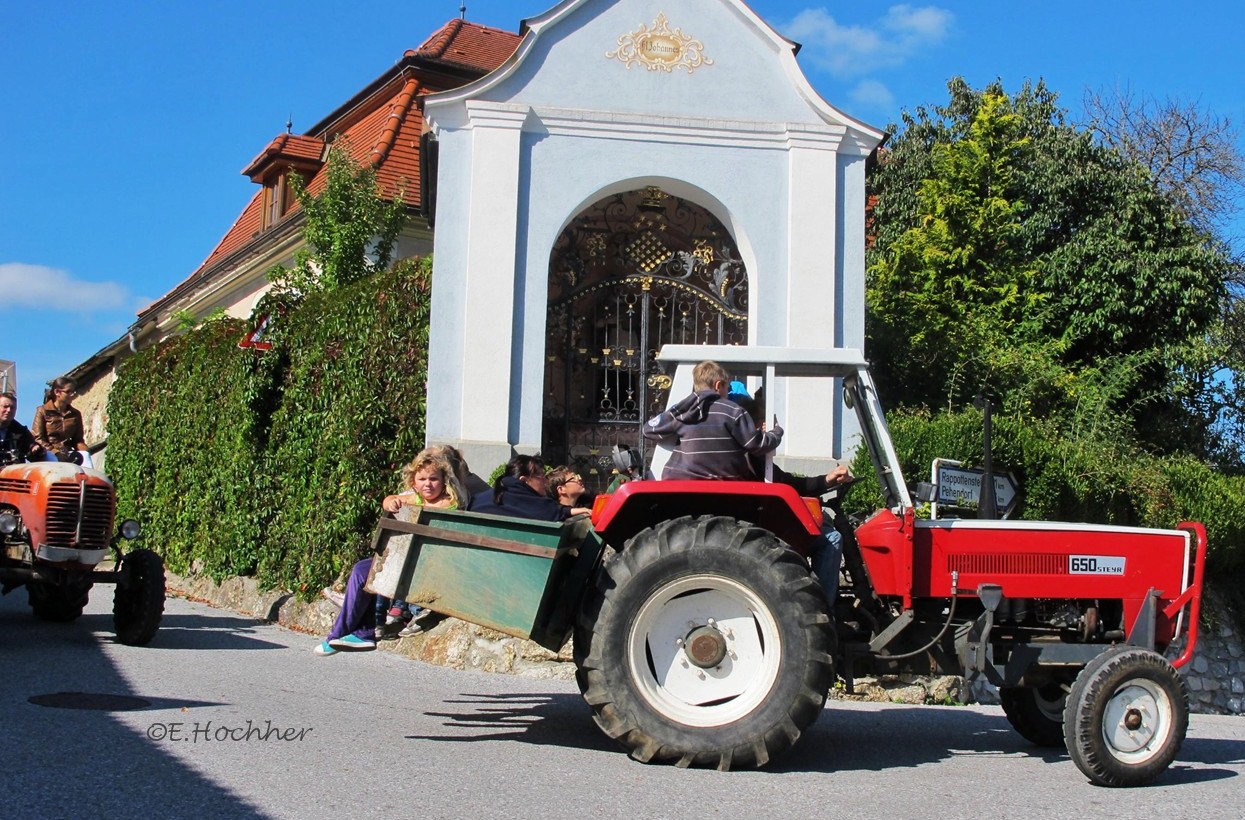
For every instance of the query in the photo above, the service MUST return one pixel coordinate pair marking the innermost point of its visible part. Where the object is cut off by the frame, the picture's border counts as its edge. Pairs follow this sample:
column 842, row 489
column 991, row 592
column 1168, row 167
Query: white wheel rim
column 1137, row 721
column 1050, row 708
column 679, row 689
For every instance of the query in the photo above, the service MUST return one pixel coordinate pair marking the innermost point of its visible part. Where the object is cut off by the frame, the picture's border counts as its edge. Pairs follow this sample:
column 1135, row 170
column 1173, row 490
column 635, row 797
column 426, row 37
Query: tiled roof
column 293, row 148
column 383, row 127
column 469, row 45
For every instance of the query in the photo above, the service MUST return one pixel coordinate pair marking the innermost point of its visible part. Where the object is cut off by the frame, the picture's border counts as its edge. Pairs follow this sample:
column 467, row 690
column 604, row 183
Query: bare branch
column 1194, row 155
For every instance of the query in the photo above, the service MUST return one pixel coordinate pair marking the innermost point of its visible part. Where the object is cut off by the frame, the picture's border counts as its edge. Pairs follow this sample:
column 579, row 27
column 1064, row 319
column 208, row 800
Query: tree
column 951, row 291
column 1192, row 155
column 1014, row 254
column 350, row 228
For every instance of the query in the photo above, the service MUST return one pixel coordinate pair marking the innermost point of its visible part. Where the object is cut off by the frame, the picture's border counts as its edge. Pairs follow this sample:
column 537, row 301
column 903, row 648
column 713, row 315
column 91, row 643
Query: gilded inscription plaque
column 659, row 48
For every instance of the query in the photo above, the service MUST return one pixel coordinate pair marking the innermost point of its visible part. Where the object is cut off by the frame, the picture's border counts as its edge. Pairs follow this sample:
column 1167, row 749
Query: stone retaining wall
column 1216, row 675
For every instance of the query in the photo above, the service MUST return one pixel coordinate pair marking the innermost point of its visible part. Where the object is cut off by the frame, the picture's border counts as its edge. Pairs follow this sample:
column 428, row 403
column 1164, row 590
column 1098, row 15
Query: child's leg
column 358, row 614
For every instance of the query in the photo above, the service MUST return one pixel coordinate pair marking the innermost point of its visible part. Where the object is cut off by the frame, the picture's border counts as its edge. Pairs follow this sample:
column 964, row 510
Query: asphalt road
column 222, row 716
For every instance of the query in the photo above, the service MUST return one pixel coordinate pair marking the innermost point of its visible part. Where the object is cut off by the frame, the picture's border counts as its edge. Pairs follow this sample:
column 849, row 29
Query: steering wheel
column 838, row 490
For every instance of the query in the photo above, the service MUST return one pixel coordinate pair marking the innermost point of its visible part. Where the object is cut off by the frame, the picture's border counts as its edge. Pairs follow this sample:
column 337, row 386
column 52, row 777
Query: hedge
column 272, row 464
column 1067, row 479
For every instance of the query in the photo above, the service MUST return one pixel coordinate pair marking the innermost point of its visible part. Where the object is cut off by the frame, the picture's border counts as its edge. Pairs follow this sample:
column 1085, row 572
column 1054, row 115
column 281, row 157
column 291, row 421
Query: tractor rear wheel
column 1126, row 717
column 138, row 603
column 1035, row 712
column 61, row 603
column 705, row 643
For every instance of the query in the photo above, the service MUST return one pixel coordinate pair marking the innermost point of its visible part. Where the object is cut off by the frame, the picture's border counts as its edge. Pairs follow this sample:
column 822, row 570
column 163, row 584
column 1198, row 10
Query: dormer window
column 287, row 153
column 276, row 199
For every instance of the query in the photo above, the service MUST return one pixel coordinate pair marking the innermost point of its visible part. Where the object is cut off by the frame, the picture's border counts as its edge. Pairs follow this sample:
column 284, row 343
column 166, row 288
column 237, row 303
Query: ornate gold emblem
column 660, row 48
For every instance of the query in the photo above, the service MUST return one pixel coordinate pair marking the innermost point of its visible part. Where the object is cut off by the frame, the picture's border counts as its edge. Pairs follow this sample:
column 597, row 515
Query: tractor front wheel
column 1126, row 717
column 705, row 643
column 138, row 603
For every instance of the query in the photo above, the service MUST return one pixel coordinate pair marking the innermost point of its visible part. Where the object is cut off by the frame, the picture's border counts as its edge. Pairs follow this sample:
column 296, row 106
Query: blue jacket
column 519, row 501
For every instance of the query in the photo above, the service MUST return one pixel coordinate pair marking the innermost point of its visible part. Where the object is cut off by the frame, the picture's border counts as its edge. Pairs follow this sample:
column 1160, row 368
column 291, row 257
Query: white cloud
column 873, row 94
column 854, row 50
column 52, row 289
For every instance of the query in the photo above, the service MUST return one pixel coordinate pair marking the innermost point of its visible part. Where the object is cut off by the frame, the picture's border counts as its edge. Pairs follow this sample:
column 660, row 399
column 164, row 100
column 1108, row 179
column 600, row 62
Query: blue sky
column 124, row 126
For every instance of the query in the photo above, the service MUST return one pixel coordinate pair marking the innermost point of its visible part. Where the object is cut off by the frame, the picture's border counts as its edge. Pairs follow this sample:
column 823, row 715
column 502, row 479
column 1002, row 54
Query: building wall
column 564, row 126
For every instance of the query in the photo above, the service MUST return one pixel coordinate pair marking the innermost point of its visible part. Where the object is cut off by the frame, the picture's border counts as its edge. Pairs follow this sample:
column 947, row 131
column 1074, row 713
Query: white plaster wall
column 524, row 151
column 571, row 70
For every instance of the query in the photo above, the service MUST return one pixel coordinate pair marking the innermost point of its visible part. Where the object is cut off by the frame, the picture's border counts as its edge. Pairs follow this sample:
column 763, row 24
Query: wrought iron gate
column 633, row 272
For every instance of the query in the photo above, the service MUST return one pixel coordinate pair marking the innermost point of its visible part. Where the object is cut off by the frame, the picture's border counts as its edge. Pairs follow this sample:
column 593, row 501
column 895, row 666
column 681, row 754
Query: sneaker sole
column 348, row 647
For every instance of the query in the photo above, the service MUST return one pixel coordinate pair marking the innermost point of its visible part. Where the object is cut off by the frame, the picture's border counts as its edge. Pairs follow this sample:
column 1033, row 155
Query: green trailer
column 523, row 578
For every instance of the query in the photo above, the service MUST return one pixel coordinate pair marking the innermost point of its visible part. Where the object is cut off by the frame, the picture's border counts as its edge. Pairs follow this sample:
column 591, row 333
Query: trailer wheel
column 1036, row 713
column 138, row 603
column 705, row 643
column 1126, row 718
column 61, row 603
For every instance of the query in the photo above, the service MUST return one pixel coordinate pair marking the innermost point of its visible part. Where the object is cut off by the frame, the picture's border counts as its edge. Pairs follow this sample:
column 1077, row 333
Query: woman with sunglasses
column 58, row 424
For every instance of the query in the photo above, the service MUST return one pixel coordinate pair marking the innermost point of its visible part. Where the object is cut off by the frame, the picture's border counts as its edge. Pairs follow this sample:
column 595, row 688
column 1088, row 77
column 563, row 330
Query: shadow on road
column 81, row 758
column 207, row 633
column 554, row 719
column 841, row 740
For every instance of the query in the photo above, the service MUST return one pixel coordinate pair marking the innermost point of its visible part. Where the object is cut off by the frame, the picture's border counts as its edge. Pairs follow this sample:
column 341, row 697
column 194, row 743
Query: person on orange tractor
column 711, row 436
column 16, row 442
column 58, row 424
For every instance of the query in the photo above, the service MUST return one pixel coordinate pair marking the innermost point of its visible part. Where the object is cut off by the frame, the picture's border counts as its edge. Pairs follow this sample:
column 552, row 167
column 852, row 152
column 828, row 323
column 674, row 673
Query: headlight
column 8, row 523
column 130, row 529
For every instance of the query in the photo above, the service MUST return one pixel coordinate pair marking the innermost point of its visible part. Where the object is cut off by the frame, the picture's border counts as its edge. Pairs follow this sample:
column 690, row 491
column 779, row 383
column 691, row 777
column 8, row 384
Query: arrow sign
column 961, row 487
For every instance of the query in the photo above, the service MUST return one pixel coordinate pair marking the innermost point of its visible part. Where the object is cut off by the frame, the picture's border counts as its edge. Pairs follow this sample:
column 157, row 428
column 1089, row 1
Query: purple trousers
column 358, row 615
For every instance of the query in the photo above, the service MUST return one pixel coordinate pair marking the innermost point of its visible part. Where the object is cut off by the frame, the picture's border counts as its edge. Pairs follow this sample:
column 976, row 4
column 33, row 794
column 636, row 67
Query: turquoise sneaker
column 352, row 642
column 324, row 649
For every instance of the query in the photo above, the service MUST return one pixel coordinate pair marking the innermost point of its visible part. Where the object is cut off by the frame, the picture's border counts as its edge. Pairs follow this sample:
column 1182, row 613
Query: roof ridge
column 436, row 45
column 398, row 110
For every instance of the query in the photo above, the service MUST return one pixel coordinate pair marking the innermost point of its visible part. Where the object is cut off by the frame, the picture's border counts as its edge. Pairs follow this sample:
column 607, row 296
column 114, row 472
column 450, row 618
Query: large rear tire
column 705, row 643
column 61, row 603
column 1126, row 717
column 1036, row 713
column 138, row 603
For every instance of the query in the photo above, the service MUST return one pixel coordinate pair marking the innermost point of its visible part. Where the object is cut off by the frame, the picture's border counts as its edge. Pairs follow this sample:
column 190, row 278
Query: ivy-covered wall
column 272, row 464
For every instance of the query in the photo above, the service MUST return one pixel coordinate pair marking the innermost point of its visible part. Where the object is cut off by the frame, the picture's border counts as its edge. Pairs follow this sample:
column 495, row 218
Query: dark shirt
column 16, row 444
column 712, row 438
column 519, row 501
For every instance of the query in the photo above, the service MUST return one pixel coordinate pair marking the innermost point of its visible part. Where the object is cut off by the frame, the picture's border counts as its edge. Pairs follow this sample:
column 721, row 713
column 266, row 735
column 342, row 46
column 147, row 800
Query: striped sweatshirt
column 712, row 438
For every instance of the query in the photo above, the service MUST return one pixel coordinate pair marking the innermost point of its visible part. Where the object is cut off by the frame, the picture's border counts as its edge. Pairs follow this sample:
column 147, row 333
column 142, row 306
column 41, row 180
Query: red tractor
column 56, row 526
column 702, row 639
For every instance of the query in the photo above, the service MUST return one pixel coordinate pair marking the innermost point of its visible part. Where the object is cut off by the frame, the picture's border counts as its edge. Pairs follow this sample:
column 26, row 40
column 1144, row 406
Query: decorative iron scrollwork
column 633, row 272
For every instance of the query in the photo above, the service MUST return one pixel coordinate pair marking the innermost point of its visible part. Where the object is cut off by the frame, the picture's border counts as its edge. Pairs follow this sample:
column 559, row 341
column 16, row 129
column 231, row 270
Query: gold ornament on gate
column 659, row 48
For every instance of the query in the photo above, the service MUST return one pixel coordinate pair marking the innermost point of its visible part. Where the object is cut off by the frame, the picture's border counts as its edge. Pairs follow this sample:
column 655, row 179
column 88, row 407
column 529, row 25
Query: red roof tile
column 469, row 45
column 293, row 148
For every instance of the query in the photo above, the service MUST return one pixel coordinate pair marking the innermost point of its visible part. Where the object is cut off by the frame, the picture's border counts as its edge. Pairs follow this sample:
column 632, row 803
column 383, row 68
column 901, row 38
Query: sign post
column 960, row 486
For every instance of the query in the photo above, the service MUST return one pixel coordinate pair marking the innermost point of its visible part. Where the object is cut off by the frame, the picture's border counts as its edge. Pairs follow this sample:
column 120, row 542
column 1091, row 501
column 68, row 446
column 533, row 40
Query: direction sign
column 961, row 487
